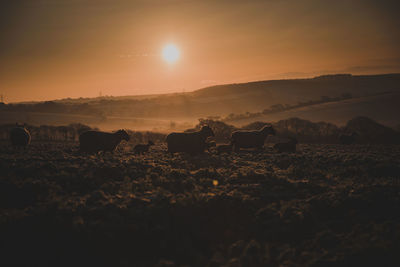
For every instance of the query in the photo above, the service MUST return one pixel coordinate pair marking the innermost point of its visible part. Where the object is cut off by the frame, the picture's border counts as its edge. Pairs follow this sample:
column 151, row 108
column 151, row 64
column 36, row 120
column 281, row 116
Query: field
column 326, row 205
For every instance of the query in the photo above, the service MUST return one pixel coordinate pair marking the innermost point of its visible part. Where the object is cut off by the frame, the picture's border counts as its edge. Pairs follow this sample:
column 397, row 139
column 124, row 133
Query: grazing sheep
column 19, row 136
column 224, row 148
column 142, row 148
column 348, row 139
column 192, row 143
column 289, row 146
column 95, row 141
column 251, row 139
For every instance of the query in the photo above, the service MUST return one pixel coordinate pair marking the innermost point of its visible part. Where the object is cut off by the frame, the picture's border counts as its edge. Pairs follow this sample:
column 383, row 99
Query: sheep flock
column 192, row 143
column 197, row 198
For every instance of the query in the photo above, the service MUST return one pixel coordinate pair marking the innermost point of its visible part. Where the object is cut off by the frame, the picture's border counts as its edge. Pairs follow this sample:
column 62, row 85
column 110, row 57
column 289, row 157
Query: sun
column 170, row 53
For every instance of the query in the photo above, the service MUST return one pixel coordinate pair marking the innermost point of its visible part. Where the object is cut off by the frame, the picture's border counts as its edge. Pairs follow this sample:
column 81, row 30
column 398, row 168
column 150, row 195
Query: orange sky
column 70, row 48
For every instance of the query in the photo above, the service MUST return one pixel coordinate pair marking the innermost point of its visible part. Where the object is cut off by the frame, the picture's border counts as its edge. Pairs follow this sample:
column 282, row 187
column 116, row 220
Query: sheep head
column 266, row 130
column 207, row 131
column 123, row 135
column 211, row 144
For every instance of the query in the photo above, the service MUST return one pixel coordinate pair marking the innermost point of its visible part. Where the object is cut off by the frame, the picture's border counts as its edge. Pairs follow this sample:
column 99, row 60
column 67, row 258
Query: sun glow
column 170, row 53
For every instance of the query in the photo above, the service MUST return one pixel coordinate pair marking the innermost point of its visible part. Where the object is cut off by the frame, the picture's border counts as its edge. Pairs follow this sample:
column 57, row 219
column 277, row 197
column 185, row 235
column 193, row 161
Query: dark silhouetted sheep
column 192, row 143
column 348, row 139
column 143, row 148
column 20, row 137
column 251, row 139
column 224, row 148
column 289, row 146
column 210, row 145
column 95, row 141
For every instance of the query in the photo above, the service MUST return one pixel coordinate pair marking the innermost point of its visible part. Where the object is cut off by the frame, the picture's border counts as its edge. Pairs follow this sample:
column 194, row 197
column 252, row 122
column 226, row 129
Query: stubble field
column 326, row 205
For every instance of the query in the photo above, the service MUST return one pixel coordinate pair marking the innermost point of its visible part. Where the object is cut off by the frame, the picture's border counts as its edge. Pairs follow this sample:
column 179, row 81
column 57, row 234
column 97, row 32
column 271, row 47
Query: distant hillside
column 255, row 96
column 382, row 107
column 375, row 96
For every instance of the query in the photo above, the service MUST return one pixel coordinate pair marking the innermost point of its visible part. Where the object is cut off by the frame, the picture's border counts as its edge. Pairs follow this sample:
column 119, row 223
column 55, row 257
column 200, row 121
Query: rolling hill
column 383, row 108
column 376, row 96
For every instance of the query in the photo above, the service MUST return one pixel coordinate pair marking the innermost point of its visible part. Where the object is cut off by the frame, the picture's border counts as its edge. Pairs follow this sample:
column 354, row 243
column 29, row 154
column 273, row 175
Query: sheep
column 224, row 148
column 20, row 136
column 192, row 143
column 143, row 148
column 289, row 146
column 251, row 139
column 95, row 141
column 348, row 139
column 210, row 145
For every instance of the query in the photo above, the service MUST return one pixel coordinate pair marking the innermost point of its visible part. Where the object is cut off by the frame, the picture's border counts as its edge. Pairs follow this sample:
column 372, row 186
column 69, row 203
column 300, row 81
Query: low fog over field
column 331, row 98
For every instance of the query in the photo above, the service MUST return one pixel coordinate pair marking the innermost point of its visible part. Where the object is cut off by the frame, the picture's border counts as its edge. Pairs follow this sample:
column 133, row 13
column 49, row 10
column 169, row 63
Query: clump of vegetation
column 370, row 131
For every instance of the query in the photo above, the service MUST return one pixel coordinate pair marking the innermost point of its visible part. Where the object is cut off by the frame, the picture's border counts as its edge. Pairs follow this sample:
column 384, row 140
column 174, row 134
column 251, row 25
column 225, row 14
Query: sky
column 83, row 48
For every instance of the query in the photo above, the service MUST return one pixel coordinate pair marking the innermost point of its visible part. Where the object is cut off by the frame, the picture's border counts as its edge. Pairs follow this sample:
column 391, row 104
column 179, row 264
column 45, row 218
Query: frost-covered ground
column 326, row 205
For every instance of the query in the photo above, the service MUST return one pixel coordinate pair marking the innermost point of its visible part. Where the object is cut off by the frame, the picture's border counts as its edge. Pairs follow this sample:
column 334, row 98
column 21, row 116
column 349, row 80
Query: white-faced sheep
column 95, row 141
column 251, row 139
column 224, row 148
column 289, row 147
column 348, row 139
column 20, row 136
column 143, row 148
column 192, row 143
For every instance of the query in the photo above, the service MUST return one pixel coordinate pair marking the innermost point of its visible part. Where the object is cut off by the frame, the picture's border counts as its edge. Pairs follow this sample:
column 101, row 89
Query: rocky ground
column 326, row 205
